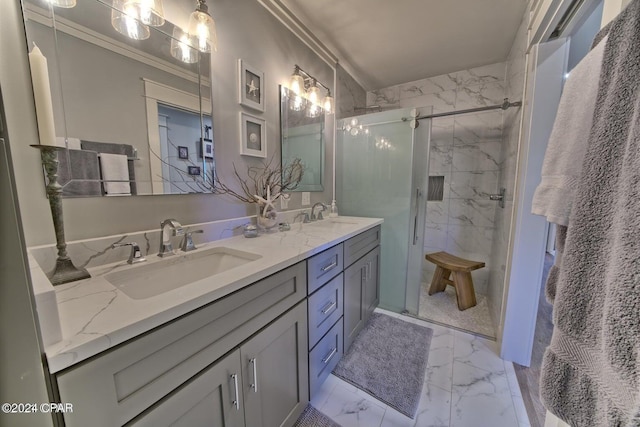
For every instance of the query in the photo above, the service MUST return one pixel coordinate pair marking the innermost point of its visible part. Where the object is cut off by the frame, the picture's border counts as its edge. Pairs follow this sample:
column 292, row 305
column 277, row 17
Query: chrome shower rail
column 504, row 106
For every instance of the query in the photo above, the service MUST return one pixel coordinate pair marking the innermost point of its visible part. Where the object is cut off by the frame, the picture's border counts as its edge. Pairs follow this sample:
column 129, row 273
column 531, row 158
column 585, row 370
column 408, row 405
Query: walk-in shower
column 436, row 180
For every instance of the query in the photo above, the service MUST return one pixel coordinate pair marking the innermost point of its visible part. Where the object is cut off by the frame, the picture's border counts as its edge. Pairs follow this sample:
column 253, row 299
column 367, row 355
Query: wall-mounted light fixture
column 304, row 85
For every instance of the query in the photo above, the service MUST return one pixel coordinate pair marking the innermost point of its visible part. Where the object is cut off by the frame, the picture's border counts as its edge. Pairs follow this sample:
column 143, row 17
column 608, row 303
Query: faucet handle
column 136, row 254
column 305, row 217
column 187, row 241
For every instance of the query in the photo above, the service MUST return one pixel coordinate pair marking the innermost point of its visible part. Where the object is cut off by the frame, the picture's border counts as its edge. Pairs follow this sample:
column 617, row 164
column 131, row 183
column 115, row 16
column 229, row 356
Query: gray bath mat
column 388, row 360
column 311, row 417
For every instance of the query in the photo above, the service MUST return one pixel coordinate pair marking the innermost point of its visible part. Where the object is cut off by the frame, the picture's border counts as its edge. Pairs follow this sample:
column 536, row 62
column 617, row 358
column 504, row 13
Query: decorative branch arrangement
column 263, row 184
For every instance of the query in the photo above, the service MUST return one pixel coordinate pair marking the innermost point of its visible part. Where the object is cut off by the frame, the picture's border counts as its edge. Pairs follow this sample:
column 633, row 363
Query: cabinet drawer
column 113, row 388
column 357, row 246
column 324, row 357
column 324, row 266
column 325, row 307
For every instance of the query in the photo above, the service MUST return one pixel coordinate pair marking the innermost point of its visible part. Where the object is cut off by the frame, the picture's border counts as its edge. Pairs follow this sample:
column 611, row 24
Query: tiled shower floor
column 466, row 385
column 442, row 308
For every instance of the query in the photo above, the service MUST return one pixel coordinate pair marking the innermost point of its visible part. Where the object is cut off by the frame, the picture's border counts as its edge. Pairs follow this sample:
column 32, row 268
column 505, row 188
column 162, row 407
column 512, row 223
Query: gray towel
column 78, row 173
column 591, row 370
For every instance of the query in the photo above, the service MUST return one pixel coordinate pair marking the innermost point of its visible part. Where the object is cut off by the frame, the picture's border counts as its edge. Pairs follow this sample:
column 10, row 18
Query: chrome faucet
column 187, row 241
column 318, row 217
column 136, row 254
column 168, row 228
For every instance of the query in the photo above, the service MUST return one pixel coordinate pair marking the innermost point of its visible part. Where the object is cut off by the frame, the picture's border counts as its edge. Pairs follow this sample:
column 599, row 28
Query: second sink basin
column 148, row 280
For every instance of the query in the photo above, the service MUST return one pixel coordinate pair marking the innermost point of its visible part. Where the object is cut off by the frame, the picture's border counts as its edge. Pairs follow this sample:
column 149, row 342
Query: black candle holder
column 64, row 271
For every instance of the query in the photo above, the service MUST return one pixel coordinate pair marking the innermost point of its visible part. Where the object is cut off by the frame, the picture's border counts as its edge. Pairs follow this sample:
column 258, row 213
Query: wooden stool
column 462, row 281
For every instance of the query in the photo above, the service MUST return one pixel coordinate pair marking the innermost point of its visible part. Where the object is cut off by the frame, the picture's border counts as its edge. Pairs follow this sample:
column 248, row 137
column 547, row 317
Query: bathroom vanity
column 247, row 346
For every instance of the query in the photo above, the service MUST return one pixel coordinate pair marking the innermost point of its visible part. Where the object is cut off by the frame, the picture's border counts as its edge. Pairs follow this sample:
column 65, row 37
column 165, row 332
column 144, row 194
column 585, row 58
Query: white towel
column 562, row 167
column 115, row 174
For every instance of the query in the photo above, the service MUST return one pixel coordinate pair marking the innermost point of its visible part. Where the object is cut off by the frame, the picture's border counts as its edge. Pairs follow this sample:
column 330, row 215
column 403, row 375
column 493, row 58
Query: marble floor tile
column 435, row 407
column 478, row 353
column 481, row 395
column 393, row 418
column 467, row 385
column 351, row 409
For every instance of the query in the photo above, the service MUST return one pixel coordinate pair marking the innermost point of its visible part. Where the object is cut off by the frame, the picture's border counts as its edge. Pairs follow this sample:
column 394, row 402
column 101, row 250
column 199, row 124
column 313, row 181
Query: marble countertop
column 95, row 315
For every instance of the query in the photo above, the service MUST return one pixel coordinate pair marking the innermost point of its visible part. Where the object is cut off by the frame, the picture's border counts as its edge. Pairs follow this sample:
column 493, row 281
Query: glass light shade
column 126, row 24
column 66, row 4
column 203, row 28
column 149, row 12
column 328, row 104
column 313, row 95
column 296, row 84
column 182, row 47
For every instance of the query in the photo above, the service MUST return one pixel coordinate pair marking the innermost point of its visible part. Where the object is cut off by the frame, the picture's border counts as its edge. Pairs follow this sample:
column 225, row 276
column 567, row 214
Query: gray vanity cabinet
column 275, row 372
column 371, row 282
column 137, row 378
column 212, row 398
column 261, row 384
column 361, row 282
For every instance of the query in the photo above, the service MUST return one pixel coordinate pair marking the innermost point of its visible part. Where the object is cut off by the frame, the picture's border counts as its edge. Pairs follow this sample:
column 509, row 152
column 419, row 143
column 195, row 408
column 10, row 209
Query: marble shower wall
column 467, row 151
column 514, row 85
column 349, row 94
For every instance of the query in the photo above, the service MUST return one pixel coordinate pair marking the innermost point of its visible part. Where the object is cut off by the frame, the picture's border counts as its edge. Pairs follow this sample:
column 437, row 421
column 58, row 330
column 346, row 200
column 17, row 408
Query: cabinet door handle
column 236, row 400
column 329, row 356
column 254, row 386
column 329, row 267
column 328, row 307
column 369, row 270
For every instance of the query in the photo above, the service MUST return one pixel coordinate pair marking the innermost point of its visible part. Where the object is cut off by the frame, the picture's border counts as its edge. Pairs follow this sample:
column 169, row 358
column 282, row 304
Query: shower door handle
column 415, row 218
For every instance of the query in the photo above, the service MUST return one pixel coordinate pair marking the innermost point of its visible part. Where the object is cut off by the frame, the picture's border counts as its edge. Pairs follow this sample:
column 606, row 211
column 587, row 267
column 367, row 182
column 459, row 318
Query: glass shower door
column 379, row 175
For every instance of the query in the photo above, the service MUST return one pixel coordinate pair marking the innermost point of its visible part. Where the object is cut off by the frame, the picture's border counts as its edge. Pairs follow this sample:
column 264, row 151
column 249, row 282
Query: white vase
column 266, row 221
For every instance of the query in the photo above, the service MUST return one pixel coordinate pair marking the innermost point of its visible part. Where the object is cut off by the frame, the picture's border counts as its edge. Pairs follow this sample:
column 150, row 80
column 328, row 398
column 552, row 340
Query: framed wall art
column 251, row 84
column 253, row 136
column 206, row 151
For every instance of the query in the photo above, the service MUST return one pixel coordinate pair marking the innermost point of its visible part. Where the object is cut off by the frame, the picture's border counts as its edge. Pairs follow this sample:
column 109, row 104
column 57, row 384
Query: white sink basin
column 332, row 223
column 148, row 280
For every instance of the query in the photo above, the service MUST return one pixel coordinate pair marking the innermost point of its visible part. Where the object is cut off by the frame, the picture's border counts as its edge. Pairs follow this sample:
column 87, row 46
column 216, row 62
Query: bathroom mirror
column 135, row 114
column 302, row 137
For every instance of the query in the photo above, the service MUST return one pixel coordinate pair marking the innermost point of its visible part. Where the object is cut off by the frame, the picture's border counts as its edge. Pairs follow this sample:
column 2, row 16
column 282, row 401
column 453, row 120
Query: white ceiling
column 387, row 42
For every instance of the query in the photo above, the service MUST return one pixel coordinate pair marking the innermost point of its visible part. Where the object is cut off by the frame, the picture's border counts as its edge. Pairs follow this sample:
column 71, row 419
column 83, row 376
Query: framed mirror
column 302, row 137
column 131, row 102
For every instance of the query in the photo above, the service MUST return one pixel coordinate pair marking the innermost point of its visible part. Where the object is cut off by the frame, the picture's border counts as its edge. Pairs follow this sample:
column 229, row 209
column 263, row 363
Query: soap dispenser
column 333, row 212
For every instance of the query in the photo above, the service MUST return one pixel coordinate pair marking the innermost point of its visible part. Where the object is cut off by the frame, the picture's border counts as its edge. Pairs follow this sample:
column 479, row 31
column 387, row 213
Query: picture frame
column 251, row 86
column 193, row 170
column 206, row 149
column 253, row 136
column 183, row 152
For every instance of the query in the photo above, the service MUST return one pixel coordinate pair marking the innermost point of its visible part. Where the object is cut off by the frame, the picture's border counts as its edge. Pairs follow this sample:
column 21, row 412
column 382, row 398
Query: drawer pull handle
column 328, row 307
column 254, row 386
column 236, row 400
column 329, row 356
column 329, row 267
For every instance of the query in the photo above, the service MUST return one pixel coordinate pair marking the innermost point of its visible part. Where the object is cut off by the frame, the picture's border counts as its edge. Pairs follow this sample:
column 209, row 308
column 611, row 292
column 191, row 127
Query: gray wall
column 349, row 94
column 245, row 30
